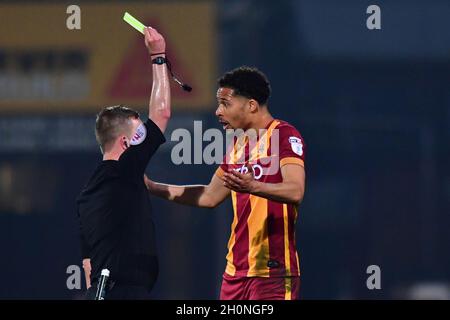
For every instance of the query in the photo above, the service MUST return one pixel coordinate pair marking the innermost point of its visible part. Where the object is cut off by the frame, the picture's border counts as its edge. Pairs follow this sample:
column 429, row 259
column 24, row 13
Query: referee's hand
column 154, row 41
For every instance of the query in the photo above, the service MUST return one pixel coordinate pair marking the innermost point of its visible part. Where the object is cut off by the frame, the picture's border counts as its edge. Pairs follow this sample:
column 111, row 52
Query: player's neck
column 262, row 121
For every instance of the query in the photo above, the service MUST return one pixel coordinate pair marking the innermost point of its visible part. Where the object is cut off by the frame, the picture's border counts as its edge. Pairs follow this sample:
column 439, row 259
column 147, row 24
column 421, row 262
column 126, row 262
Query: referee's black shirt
column 117, row 231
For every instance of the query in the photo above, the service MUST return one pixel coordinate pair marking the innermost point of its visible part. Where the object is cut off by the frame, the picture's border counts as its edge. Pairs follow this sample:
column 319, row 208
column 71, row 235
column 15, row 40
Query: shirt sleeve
column 292, row 147
column 221, row 170
column 145, row 142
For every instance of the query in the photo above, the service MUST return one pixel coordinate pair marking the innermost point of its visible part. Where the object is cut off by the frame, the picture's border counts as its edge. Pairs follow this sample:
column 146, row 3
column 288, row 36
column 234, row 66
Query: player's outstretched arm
column 159, row 105
column 87, row 271
column 207, row 196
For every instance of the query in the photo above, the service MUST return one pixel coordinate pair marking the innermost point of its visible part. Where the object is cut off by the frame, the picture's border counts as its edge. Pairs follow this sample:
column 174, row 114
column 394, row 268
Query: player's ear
column 254, row 105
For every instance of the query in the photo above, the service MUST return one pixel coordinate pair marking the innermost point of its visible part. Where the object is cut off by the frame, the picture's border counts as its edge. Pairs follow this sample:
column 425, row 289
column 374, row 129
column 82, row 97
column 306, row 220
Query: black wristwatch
column 159, row 60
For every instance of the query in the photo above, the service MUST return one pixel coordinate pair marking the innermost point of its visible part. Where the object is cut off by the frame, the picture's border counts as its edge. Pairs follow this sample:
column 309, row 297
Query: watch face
column 159, row 60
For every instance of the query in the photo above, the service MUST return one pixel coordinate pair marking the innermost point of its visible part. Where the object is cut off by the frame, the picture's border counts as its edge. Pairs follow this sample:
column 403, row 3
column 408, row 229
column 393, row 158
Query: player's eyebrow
column 224, row 99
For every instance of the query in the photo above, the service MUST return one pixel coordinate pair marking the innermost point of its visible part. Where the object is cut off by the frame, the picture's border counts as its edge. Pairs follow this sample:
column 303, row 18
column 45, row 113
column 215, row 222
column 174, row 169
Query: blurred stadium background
column 373, row 107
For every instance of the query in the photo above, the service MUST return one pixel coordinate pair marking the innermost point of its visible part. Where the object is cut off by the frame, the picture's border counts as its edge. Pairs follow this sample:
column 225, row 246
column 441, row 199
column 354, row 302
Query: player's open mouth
column 225, row 124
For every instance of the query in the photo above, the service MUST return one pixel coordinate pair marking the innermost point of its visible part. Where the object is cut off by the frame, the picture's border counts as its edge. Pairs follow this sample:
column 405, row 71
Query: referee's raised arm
column 159, row 105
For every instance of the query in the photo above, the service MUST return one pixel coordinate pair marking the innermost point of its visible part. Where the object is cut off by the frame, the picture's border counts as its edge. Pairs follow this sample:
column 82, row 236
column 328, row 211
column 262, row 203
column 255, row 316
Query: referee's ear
column 125, row 143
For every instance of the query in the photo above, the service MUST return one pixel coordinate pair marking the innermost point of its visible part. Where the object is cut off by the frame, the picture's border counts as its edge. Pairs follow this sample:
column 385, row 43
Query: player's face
column 232, row 110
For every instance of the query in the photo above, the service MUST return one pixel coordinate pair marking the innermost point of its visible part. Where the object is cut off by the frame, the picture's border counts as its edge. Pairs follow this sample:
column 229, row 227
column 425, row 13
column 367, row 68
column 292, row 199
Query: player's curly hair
column 112, row 122
column 247, row 82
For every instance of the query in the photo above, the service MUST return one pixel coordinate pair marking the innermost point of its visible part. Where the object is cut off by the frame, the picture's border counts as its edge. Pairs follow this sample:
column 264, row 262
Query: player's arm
column 290, row 190
column 207, row 196
column 159, row 105
column 87, row 271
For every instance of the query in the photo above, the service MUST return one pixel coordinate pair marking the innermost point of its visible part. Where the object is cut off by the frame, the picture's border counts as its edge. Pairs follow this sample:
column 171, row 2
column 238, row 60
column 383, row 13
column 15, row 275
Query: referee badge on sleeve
column 139, row 136
column 296, row 145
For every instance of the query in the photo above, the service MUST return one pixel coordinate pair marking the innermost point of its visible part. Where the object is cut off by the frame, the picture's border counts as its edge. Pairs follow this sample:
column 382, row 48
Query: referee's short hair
column 112, row 122
column 247, row 82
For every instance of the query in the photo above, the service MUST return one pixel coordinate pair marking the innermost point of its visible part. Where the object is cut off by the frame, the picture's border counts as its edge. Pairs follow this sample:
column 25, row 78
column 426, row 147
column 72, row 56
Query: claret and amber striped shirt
column 262, row 241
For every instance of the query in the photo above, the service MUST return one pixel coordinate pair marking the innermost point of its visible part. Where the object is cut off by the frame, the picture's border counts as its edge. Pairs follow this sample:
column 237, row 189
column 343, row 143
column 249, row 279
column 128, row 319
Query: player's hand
column 148, row 183
column 154, row 41
column 243, row 183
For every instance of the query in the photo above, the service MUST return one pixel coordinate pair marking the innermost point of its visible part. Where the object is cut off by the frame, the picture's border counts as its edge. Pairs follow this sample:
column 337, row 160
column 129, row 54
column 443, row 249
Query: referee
column 117, row 231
